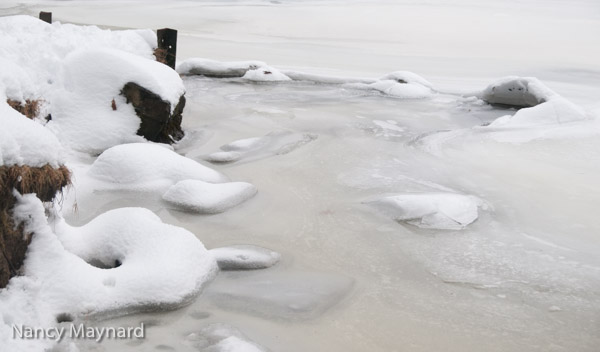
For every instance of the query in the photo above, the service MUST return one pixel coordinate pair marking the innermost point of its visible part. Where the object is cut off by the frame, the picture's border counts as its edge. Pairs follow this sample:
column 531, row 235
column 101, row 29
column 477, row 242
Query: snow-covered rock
column 265, row 74
column 208, row 198
column 401, row 84
column 83, row 114
column 517, row 91
column 445, row 211
column 217, row 69
column 144, row 166
column 221, row 338
column 244, row 257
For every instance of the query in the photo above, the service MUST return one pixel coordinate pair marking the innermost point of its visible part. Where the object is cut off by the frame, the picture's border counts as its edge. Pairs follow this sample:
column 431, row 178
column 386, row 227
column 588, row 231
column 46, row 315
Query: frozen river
column 525, row 276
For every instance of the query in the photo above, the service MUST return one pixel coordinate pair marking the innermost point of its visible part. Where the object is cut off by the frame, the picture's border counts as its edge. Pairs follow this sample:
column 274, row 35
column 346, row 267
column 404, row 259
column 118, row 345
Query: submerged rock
column 245, row 257
column 159, row 123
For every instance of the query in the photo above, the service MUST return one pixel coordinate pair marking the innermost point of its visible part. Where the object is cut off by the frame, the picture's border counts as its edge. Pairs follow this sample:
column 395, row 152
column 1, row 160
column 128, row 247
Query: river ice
column 525, row 275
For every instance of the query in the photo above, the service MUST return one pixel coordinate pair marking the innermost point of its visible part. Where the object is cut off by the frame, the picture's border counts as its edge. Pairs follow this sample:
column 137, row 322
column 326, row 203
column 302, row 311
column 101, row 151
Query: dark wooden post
column 46, row 16
column 167, row 42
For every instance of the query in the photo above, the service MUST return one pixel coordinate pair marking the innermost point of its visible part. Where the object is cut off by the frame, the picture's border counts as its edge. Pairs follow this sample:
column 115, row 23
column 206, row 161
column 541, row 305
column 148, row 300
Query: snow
column 38, row 75
column 207, row 198
column 245, row 257
column 162, row 267
column 144, row 166
column 221, row 338
column 444, row 211
column 25, row 142
column 82, row 115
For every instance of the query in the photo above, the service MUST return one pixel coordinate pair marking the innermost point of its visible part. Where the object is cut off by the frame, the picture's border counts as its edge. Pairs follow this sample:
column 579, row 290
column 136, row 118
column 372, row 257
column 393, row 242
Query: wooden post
column 167, row 41
column 46, row 16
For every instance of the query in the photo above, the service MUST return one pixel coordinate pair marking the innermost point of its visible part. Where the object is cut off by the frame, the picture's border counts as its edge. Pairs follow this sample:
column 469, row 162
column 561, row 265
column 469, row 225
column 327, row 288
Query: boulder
column 160, row 123
column 520, row 92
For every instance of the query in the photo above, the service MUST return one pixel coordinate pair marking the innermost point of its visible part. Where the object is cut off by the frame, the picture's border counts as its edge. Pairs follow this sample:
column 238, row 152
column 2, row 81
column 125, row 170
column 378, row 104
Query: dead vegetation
column 161, row 55
column 46, row 182
column 31, row 108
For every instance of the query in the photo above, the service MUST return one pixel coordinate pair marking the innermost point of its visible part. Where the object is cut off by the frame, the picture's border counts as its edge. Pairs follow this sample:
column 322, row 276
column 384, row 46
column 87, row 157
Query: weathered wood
column 167, row 41
column 46, row 16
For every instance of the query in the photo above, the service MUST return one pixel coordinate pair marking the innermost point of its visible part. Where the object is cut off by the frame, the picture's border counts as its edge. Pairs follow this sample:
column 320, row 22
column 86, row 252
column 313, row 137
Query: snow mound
column 245, row 257
column 145, row 166
column 401, row 84
column 274, row 143
column 25, row 142
column 208, row 198
column 280, row 295
column 217, row 69
column 444, row 211
column 221, row 338
column 139, row 264
column 83, row 115
column 265, row 74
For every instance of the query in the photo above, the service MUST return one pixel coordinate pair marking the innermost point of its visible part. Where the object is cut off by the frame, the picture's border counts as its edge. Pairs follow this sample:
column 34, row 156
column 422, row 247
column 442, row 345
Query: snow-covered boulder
column 445, row 211
column 208, row 198
column 517, row 91
column 90, row 113
column 144, row 166
column 265, row 74
column 245, row 257
column 541, row 105
column 401, row 84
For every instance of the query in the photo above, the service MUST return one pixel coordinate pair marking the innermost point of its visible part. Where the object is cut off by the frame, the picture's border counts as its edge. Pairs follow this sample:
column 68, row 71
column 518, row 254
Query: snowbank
column 143, row 166
column 161, row 266
column 207, row 198
column 29, row 75
column 83, row 115
column 25, row 142
column 444, row 211
column 244, row 257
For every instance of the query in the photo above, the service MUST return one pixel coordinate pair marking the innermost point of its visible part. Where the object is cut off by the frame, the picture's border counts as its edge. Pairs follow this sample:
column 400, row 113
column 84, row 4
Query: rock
column 158, row 123
column 245, row 257
column 517, row 92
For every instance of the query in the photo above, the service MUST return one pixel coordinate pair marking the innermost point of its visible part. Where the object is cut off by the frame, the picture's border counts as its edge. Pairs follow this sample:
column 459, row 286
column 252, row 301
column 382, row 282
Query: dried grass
column 161, row 55
column 46, row 182
column 31, row 108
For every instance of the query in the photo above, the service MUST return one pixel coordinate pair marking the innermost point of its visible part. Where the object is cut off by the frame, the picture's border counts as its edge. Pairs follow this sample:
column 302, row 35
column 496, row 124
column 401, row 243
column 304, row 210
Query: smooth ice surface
column 208, row 198
column 444, row 211
column 288, row 296
column 143, row 166
column 244, row 257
